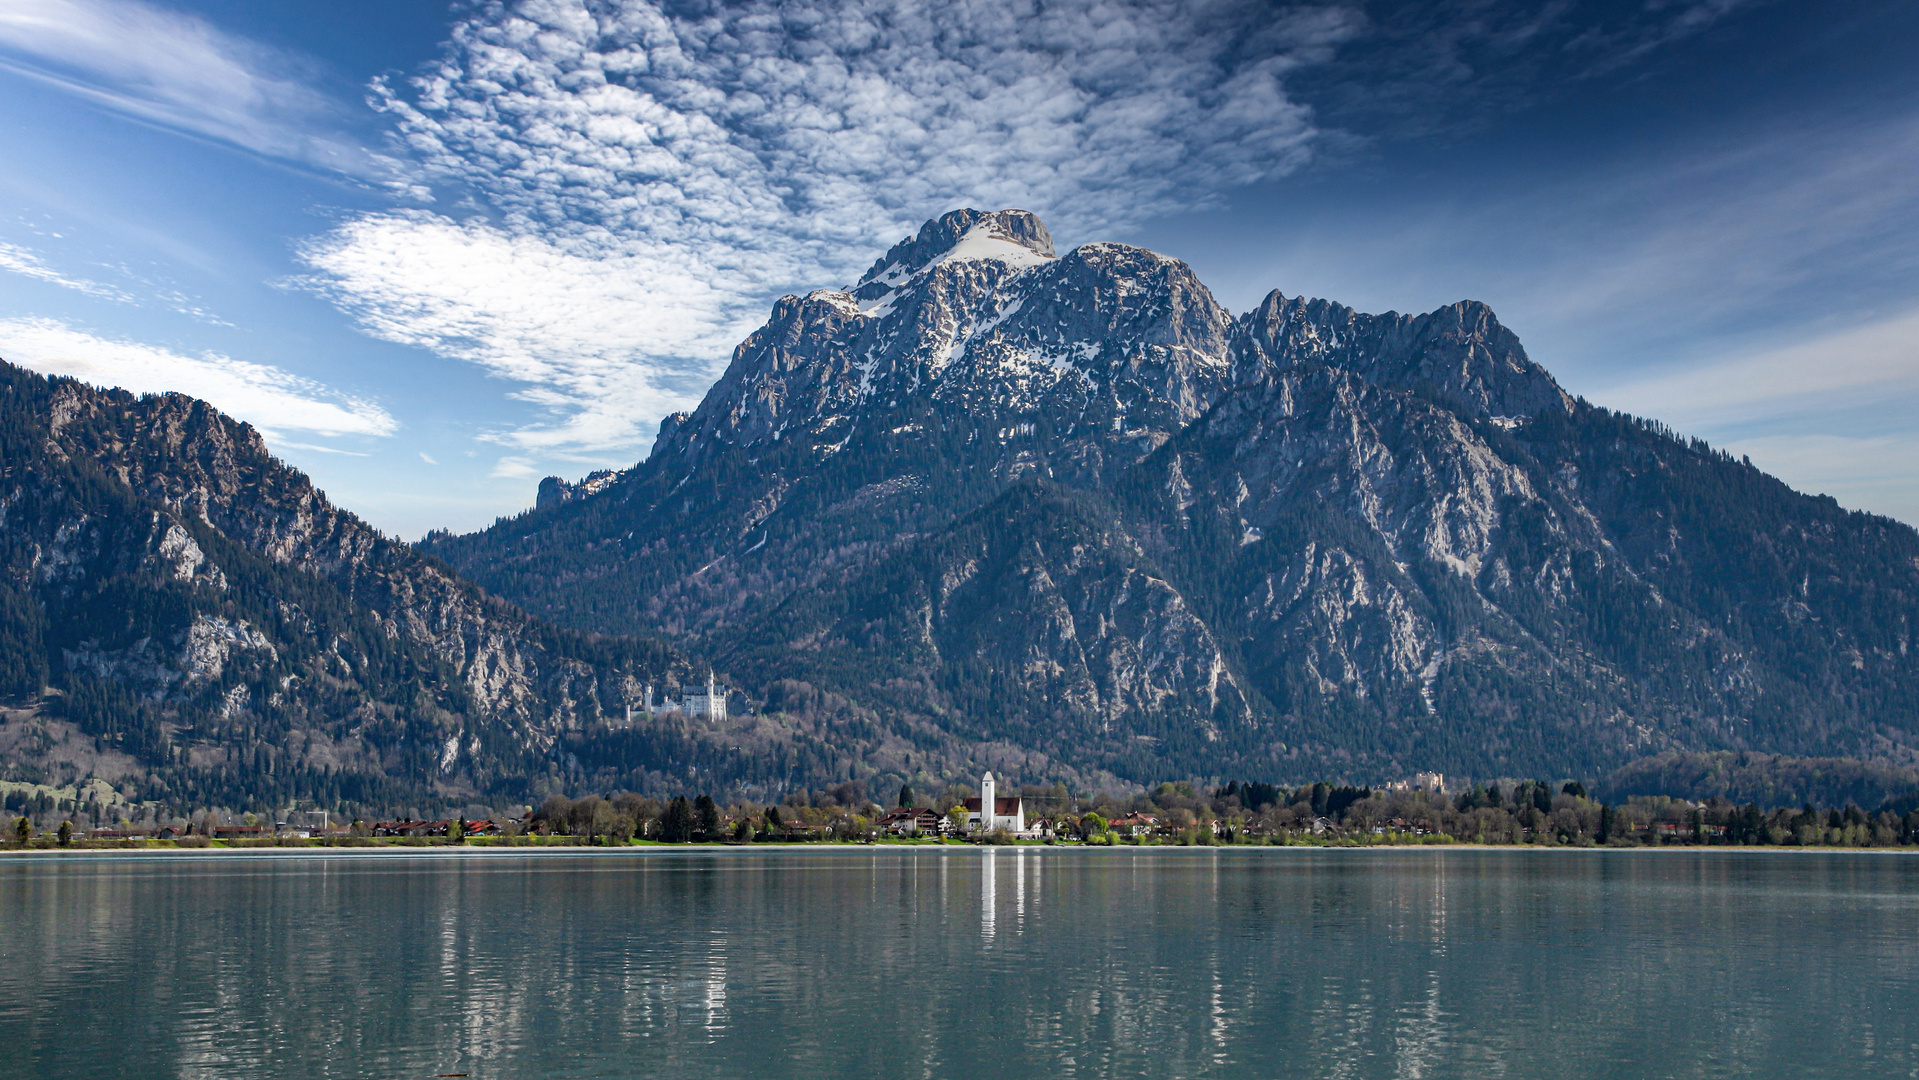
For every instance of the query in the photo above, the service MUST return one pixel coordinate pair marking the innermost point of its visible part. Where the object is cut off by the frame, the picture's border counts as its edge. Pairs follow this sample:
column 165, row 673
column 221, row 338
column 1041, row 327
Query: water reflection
column 1090, row 964
column 988, row 894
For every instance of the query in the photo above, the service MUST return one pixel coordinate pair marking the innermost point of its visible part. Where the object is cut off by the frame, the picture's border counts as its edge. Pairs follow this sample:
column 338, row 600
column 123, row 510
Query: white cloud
column 653, row 179
column 18, row 260
column 602, row 341
column 283, row 444
column 177, row 71
column 267, row 397
column 514, row 468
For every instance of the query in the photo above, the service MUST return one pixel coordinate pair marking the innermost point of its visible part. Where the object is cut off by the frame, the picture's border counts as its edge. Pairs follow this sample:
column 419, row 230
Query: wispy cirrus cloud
column 1829, row 414
column 1803, row 213
column 647, row 180
column 1843, row 370
column 1429, row 66
column 15, row 259
column 26, row 262
column 177, row 71
column 271, row 399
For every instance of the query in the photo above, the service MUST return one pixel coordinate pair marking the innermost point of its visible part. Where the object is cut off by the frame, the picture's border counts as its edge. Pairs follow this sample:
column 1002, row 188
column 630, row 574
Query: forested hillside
column 190, row 619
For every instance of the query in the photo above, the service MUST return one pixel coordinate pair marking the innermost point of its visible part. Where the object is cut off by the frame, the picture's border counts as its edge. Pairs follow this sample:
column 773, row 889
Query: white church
column 993, row 811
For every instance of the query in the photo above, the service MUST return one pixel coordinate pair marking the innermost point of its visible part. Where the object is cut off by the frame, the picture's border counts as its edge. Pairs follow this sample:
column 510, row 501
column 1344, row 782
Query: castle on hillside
column 709, row 704
column 992, row 811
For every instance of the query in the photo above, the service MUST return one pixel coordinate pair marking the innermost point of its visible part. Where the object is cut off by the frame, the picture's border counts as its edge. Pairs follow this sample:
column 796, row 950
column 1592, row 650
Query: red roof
column 1003, row 806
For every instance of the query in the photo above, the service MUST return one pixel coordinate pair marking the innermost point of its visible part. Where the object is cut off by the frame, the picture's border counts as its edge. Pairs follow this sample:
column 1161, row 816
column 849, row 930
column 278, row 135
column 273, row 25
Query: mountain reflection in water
column 961, row 962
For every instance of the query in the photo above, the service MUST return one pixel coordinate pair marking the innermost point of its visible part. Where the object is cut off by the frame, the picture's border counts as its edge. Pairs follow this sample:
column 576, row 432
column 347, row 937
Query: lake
column 959, row 962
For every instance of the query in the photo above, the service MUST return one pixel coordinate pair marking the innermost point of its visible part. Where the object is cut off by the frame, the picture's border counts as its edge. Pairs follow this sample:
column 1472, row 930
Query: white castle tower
column 711, row 704
column 646, row 708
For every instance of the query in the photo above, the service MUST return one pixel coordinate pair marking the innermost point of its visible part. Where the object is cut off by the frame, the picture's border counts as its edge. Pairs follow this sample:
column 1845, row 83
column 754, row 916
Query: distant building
column 711, row 705
column 912, row 822
column 1425, row 781
column 990, row 811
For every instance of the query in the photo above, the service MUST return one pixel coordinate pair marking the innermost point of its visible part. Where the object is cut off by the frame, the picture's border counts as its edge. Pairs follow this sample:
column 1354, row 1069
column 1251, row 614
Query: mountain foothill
column 1060, row 516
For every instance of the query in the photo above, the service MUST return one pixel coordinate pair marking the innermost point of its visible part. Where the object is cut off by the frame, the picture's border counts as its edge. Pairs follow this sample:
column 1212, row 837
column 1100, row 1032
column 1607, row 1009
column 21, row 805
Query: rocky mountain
column 185, row 616
column 1066, row 515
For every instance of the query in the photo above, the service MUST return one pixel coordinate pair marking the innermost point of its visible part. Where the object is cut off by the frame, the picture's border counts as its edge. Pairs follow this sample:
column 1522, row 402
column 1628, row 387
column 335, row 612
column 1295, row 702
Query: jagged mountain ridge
column 193, row 620
column 839, row 424
column 1304, row 541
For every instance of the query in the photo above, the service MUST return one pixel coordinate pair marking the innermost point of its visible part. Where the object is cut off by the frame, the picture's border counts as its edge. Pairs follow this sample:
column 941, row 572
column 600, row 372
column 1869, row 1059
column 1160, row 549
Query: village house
column 417, row 827
column 1043, row 828
column 1134, row 824
column 912, row 821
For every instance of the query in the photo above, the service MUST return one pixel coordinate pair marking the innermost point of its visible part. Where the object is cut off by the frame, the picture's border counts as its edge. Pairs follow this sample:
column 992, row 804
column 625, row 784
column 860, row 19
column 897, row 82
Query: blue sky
column 436, row 252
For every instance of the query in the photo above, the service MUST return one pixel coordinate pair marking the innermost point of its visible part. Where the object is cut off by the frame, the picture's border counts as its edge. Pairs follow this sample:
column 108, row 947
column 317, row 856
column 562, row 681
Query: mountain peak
column 1013, row 236
column 1459, row 355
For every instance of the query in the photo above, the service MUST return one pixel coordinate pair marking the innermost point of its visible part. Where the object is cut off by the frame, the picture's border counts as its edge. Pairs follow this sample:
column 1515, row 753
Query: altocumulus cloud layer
column 636, row 183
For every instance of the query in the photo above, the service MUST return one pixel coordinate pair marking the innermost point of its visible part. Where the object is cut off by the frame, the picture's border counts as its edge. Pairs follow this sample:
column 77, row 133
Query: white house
column 992, row 811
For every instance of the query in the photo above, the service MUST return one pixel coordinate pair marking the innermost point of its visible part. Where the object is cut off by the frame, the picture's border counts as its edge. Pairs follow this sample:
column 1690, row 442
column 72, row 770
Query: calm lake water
column 961, row 963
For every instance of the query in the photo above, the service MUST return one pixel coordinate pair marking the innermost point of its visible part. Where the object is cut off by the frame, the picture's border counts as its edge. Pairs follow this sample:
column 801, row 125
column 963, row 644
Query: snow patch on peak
column 835, row 297
column 936, row 240
column 987, row 241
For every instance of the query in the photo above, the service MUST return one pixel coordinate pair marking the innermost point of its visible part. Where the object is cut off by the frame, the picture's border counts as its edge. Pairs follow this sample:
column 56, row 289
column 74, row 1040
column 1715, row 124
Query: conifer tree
column 706, row 818
column 676, row 825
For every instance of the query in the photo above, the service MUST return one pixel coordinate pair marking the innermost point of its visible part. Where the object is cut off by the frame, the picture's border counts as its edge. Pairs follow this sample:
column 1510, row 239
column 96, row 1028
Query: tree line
column 1532, row 812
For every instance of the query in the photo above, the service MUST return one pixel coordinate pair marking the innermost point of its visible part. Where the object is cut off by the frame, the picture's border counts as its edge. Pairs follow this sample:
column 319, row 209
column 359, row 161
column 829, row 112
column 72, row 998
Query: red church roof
column 1003, row 806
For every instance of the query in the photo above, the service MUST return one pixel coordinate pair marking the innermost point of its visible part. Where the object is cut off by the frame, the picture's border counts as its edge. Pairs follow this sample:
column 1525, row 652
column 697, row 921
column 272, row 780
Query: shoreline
column 386, row 851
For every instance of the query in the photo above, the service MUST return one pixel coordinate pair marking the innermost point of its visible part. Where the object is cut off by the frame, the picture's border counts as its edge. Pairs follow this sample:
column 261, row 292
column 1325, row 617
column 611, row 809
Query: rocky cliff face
column 1065, row 505
column 968, row 358
column 1459, row 356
